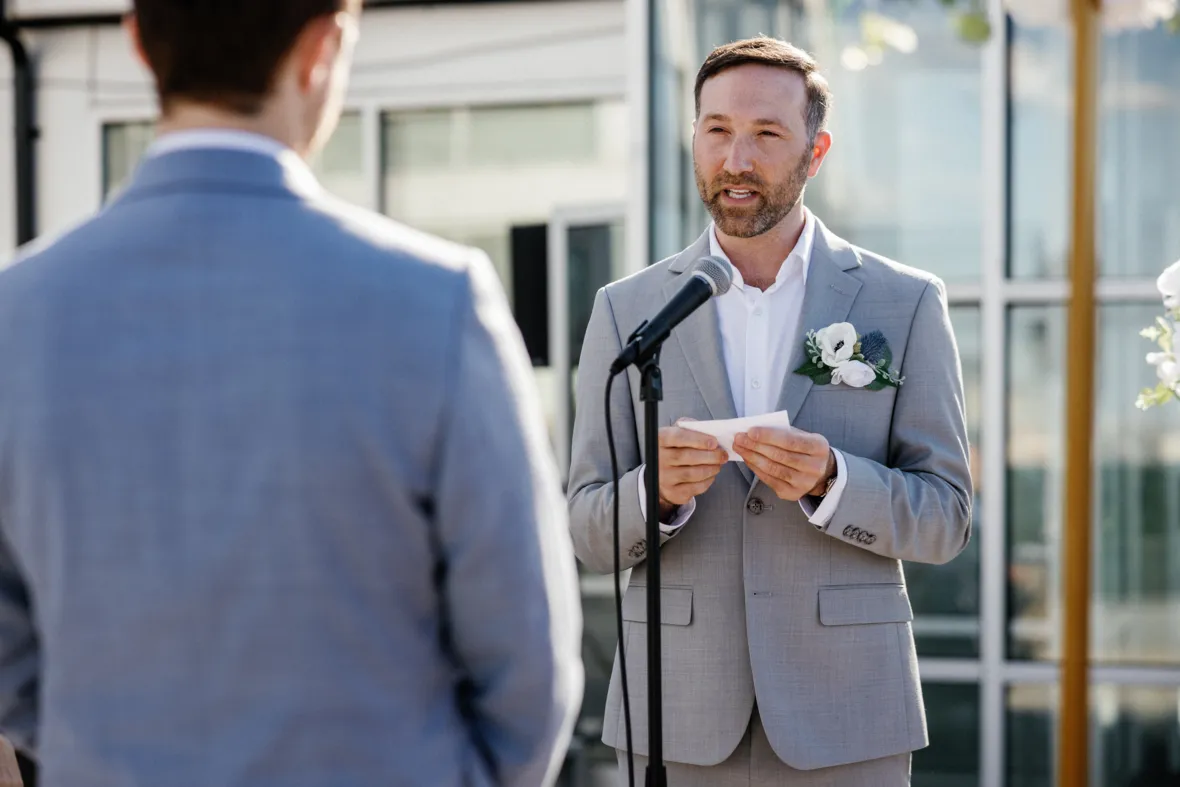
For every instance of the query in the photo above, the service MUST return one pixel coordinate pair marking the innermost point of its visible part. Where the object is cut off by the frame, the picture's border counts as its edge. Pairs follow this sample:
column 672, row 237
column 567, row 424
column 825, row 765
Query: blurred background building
column 555, row 135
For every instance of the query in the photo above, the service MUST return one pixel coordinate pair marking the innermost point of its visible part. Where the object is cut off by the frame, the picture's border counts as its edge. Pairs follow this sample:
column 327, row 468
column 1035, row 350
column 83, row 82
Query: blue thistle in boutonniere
column 837, row 355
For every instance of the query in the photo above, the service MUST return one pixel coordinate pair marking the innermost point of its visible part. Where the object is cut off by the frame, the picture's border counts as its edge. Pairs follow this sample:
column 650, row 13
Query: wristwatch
column 831, row 480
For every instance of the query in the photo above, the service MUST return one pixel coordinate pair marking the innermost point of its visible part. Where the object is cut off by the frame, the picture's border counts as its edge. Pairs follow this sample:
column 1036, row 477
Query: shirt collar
column 799, row 258
column 218, row 138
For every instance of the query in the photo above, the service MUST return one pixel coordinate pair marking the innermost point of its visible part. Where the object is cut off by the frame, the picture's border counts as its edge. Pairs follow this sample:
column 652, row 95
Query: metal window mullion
column 993, row 522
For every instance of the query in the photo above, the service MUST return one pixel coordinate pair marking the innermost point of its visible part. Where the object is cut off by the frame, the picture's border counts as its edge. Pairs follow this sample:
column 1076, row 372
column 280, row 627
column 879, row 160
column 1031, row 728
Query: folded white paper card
column 726, row 430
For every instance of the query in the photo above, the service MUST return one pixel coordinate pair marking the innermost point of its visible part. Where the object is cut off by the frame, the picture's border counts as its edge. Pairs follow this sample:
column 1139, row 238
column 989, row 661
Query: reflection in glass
column 1030, row 735
column 1139, row 203
column 903, row 178
column 1040, row 152
column 1139, row 161
column 1136, row 615
column 952, row 717
column 1135, row 735
column 946, row 598
column 471, row 174
column 1137, row 477
column 1036, row 340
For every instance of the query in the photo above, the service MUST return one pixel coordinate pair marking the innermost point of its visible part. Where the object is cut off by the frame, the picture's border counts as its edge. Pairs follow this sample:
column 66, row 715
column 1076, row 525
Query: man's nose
column 739, row 159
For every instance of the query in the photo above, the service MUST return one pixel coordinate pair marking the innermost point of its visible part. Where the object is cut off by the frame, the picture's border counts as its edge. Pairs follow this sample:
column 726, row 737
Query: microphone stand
column 651, row 392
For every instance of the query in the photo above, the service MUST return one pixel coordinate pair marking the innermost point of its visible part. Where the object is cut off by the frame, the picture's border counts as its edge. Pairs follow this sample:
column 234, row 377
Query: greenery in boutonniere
column 836, row 355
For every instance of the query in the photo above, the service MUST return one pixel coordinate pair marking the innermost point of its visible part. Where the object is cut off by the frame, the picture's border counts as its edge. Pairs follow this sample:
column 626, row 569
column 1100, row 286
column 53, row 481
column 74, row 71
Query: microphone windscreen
column 717, row 271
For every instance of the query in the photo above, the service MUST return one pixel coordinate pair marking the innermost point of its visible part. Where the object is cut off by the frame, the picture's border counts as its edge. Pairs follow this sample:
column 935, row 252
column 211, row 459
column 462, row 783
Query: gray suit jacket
column 277, row 503
column 757, row 602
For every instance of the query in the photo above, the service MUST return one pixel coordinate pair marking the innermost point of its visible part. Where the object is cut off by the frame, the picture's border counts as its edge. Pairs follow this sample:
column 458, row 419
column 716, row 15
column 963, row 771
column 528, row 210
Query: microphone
column 710, row 277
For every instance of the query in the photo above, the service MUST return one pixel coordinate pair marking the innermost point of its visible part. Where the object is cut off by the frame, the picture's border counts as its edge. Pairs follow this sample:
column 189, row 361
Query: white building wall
column 416, row 57
column 42, row 8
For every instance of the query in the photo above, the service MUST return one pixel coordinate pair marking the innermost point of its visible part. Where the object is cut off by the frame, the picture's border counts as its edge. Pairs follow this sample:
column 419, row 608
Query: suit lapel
column 827, row 299
column 699, row 338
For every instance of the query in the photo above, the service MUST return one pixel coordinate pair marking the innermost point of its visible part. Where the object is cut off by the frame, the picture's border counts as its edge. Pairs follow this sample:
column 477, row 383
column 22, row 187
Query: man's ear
column 819, row 151
column 316, row 49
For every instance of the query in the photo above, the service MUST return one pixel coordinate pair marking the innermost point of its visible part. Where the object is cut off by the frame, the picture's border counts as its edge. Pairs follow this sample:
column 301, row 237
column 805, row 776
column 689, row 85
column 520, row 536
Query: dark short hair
column 768, row 51
column 223, row 52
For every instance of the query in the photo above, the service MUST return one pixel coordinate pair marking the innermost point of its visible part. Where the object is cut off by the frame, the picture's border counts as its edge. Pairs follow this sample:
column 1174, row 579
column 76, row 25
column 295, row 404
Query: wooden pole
column 1073, row 722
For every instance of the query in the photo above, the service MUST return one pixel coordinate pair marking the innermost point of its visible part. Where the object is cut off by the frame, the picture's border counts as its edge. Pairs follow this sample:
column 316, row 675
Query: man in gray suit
column 788, row 656
column 276, row 499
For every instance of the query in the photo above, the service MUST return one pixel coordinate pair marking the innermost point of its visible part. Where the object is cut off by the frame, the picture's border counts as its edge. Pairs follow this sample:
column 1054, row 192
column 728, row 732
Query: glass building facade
column 951, row 128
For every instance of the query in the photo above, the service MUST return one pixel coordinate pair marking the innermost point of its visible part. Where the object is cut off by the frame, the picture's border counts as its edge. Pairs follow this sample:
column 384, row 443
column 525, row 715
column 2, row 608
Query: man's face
column 751, row 152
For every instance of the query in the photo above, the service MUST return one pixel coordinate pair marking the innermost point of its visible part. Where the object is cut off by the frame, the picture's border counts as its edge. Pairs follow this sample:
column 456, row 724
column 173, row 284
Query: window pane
column 904, row 175
column 1040, row 152
column 472, row 174
column 1139, row 161
column 952, row 717
column 1137, row 546
column 340, row 165
column 123, row 145
column 946, row 598
column 1134, row 734
column 418, row 140
column 1137, row 477
column 1036, row 343
column 1030, row 733
column 558, row 134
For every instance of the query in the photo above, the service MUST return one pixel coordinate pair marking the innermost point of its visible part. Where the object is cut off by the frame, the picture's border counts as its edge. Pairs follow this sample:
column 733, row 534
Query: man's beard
column 765, row 211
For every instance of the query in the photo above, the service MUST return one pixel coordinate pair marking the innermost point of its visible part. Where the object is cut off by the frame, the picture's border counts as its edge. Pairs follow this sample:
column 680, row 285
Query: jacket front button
column 755, row 506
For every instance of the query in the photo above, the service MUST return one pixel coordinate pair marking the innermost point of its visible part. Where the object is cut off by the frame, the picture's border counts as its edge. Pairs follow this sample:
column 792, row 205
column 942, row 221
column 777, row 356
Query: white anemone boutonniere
column 837, row 355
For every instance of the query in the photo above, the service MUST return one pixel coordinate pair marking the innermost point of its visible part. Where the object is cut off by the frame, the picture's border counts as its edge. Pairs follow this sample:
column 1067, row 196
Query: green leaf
column 1150, row 397
column 877, row 385
column 1153, row 333
column 810, row 368
column 823, row 379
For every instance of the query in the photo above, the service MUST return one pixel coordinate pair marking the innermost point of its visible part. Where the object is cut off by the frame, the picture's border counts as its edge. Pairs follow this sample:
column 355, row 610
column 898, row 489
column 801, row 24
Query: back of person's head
column 226, row 54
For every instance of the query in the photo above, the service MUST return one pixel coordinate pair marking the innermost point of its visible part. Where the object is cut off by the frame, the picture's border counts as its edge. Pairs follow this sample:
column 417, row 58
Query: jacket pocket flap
column 675, row 605
column 849, row 605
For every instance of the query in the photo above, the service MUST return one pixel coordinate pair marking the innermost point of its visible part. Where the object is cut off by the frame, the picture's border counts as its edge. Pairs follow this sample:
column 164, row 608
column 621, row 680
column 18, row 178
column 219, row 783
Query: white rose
column 856, row 374
column 836, row 343
column 1169, row 286
column 1169, row 372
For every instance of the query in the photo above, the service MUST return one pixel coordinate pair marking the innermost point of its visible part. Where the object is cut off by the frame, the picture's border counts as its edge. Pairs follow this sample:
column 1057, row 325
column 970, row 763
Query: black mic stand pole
column 651, row 392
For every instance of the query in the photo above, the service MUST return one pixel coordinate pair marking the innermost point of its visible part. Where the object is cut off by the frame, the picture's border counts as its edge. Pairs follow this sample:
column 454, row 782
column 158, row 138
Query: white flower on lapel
column 837, row 355
column 856, row 374
column 836, row 343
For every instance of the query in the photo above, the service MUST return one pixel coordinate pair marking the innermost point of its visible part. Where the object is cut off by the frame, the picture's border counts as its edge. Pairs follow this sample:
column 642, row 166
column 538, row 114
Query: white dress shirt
column 759, row 330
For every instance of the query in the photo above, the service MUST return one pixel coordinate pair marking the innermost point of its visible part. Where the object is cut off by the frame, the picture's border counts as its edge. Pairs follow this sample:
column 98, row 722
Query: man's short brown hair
column 767, row 51
column 223, row 52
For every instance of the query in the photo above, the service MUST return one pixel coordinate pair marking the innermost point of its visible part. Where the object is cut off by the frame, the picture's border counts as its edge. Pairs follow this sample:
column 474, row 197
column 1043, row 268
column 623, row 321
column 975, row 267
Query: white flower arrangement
column 837, row 356
column 1165, row 334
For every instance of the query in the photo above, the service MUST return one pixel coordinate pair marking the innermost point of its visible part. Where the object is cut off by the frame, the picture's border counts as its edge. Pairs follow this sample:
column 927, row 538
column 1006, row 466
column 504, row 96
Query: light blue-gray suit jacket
column 276, row 499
